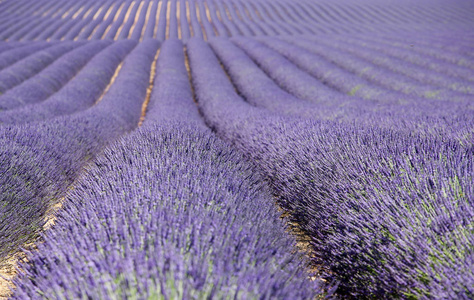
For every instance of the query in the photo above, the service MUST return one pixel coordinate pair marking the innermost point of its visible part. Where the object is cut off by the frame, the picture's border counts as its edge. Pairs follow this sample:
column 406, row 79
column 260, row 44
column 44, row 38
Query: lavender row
column 332, row 75
column 112, row 32
column 286, row 74
column 34, row 22
column 457, row 57
column 45, row 27
column 4, row 46
column 88, row 29
column 206, row 231
column 168, row 212
column 11, row 56
column 48, row 20
column 80, row 93
column 396, row 109
column 355, row 190
column 259, row 90
column 127, row 25
column 137, row 28
column 411, row 55
column 40, row 161
column 376, row 75
column 51, row 79
column 171, row 98
column 408, row 70
column 327, row 77
column 100, row 29
column 256, row 87
column 30, row 66
column 71, row 28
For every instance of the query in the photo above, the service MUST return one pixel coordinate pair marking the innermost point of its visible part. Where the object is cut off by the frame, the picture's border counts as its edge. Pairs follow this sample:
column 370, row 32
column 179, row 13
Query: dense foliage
column 237, row 149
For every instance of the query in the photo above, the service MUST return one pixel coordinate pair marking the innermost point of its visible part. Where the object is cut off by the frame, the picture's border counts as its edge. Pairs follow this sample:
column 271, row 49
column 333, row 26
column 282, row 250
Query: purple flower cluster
column 172, row 212
column 49, row 20
column 51, row 79
column 39, row 161
column 389, row 212
column 172, row 98
column 270, row 149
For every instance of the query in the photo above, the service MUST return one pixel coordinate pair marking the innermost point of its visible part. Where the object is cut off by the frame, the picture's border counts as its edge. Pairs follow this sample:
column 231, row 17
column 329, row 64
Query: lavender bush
column 52, row 78
column 354, row 196
column 39, row 162
column 356, row 118
column 72, row 97
column 142, row 223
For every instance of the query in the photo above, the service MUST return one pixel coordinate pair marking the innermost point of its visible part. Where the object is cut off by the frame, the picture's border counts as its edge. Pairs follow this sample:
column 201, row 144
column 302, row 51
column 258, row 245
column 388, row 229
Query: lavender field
column 236, row 149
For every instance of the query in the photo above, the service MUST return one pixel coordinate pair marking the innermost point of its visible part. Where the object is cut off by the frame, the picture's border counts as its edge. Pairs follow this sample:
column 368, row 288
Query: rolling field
column 236, row 149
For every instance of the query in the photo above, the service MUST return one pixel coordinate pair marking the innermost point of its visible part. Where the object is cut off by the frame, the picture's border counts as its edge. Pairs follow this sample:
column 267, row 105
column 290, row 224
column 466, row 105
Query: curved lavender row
column 9, row 22
column 220, row 27
column 230, row 28
column 331, row 75
column 137, row 31
column 7, row 34
column 257, row 88
column 256, row 27
column 136, row 234
column 38, row 21
column 161, row 26
column 260, row 90
column 114, row 27
column 241, row 25
column 131, row 85
column 404, row 68
column 279, row 28
column 30, row 66
column 203, row 61
column 196, row 27
column 17, row 26
column 100, row 29
column 308, row 24
column 267, row 29
column 356, row 207
column 288, row 20
column 171, row 98
column 124, row 32
column 36, row 30
column 447, row 41
column 45, row 34
column 184, row 26
column 150, row 26
column 40, row 161
column 43, row 31
column 88, row 30
column 284, row 21
column 96, row 75
column 379, row 76
column 72, row 28
column 7, row 7
column 433, row 52
column 5, row 46
column 52, row 78
column 413, row 57
column 207, row 27
column 287, row 75
column 11, row 56
column 173, row 21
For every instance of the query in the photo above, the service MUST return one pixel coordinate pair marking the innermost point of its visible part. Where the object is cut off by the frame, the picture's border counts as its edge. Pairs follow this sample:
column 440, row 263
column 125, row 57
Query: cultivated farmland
column 236, row 149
